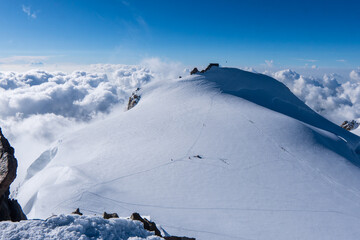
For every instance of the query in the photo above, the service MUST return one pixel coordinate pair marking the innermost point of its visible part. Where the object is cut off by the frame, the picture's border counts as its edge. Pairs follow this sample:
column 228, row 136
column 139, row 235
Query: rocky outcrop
column 77, row 212
column 9, row 208
column 110, row 215
column 195, row 70
column 148, row 225
column 151, row 226
column 134, row 99
column 350, row 125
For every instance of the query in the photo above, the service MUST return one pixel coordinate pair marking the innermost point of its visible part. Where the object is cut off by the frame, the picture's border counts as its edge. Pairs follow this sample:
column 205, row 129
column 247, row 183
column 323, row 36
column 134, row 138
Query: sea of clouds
column 44, row 104
column 41, row 105
column 331, row 96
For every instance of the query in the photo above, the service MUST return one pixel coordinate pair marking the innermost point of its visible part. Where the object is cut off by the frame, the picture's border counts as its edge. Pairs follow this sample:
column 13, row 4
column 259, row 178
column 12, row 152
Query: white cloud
column 41, row 103
column 341, row 60
column 27, row 10
column 355, row 74
column 332, row 99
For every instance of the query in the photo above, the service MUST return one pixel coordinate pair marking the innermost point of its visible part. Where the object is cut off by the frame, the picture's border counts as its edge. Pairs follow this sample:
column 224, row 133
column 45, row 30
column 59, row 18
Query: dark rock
column 151, row 226
column 178, row 238
column 134, row 99
column 194, row 71
column 110, row 215
column 148, row 225
column 211, row 65
column 9, row 208
column 77, row 211
column 350, row 125
column 16, row 212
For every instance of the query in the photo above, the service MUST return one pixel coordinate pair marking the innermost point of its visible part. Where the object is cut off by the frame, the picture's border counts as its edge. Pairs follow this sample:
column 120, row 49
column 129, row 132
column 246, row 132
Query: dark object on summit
column 10, row 209
column 110, row 215
column 77, row 211
column 194, row 71
column 211, row 65
column 148, row 225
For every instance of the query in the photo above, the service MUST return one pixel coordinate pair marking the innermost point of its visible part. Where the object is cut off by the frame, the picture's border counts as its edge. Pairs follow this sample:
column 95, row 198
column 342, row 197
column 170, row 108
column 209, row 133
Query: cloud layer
column 332, row 99
column 35, row 100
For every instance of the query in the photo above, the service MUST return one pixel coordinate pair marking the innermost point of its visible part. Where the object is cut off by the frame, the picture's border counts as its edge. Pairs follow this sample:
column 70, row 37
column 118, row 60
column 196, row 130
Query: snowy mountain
column 226, row 154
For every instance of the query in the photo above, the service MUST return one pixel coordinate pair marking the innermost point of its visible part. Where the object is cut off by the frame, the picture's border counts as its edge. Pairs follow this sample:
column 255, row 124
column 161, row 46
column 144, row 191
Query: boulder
column 148, row 225
column 9, row 208
column 110, row 215
column 151, row 226
column 77, row 211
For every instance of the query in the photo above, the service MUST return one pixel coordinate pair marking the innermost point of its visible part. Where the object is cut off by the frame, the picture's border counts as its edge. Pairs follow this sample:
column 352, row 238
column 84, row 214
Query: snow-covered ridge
column 226, row 143
column 274, row 95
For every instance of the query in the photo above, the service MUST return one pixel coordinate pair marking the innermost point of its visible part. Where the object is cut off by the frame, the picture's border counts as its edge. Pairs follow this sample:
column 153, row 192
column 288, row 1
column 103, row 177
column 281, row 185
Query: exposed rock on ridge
column 350, row 125
column 134, row 99
column 9, row 208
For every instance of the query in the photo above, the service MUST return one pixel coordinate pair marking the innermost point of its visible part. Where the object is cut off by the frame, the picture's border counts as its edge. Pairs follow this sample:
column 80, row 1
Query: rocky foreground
column 9, row 208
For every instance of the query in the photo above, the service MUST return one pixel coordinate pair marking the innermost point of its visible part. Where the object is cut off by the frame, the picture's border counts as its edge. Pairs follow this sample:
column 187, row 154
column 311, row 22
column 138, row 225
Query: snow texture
column 69, row 227
column 223, row 155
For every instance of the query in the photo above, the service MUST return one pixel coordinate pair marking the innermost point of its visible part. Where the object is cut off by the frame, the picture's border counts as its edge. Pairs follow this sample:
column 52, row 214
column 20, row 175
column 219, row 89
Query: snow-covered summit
column 272, row 94
column 226, row 154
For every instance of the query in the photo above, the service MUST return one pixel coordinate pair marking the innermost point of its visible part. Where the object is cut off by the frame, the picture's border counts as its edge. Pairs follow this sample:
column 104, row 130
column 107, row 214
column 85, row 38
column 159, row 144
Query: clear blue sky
column 291, row 33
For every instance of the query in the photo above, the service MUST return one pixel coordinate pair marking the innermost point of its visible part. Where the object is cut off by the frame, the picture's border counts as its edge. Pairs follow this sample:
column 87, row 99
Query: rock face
column 9, row 208
column 134, row 99
column 350, row 125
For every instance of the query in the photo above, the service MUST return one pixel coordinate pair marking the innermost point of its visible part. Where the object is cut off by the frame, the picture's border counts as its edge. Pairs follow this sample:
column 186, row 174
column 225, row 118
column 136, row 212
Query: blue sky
column 250, row 33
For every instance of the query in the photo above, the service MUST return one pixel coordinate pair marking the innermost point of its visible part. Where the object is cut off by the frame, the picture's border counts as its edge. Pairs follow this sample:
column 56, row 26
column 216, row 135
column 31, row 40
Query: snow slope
column 223, row 155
